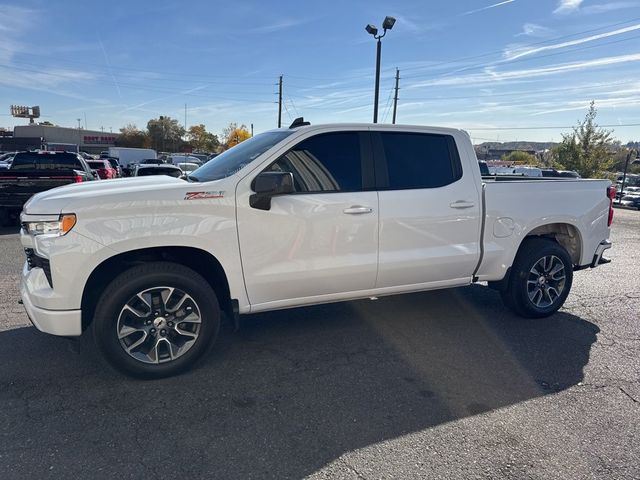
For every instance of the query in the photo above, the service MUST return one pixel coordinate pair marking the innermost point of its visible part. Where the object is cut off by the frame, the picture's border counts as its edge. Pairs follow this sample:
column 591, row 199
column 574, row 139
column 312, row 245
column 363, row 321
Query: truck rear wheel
column 156, row 320
column 540, row 280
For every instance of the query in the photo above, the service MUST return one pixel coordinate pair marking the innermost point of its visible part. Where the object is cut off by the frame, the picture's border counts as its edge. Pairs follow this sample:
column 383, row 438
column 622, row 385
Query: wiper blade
column 191, row 178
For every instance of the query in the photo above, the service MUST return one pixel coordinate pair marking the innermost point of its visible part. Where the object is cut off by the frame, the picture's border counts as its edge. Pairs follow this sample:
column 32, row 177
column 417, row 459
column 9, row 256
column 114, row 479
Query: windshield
column 236, row 158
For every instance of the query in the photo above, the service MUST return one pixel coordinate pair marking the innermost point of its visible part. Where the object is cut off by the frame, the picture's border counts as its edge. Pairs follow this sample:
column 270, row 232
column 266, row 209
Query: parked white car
column 176, row 159
column 298, row 216
column 527, row 171
column 188, row 168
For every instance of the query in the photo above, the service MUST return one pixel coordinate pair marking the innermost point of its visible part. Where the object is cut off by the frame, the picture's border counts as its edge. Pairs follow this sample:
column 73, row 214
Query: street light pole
column 377, row 93
column 387, row 24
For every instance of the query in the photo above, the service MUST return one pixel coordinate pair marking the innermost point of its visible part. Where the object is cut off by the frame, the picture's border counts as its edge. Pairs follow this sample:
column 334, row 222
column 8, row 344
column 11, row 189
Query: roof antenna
column 299, row 122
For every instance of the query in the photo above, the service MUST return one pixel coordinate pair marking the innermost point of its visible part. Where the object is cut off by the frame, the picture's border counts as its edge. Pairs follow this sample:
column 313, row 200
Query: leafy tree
column 235, row 134
column 202, row 140
column 520, row 157
column 130, row 136
column 165, row 133
column 587, row 149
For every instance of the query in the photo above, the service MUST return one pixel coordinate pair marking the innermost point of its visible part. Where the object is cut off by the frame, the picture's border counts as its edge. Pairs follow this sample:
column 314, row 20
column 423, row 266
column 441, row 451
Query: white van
column 126, row 156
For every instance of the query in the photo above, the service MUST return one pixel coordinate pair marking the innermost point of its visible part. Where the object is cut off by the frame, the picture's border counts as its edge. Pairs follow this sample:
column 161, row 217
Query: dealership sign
column 98, row 139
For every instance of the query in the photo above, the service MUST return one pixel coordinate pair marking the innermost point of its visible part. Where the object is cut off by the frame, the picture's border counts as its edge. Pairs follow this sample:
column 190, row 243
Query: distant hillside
column 522, row 145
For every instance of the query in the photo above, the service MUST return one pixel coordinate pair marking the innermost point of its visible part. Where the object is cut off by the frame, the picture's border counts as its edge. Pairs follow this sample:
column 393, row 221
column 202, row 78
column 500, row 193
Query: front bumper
column 66, row 323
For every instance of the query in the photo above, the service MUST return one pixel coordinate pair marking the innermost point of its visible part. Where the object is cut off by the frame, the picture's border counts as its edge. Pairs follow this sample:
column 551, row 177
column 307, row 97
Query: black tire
column 4, row 217
column 517, row 295
column 154, row 277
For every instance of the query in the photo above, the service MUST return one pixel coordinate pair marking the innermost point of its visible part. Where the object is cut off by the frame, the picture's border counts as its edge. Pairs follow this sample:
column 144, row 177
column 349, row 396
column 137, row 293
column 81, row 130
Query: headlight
column 59, row 227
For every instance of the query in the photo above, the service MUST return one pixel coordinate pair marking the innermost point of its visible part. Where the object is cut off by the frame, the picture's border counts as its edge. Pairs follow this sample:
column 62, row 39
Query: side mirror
column 268, row 185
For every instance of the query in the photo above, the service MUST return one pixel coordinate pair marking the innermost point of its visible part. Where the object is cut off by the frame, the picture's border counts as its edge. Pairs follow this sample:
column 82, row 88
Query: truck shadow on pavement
column 286, row 396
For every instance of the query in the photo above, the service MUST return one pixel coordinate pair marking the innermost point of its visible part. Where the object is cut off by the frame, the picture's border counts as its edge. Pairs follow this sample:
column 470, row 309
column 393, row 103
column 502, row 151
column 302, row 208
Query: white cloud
column 523, row 52
column 278, row 26
column 567, row 6
column 533, row 30
column 499, row 4
column 608, row 7
column 619, row 102
column 14, row 21
column 490, row 76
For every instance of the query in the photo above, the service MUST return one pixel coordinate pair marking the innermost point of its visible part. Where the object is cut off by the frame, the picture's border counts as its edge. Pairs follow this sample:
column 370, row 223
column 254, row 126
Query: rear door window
column 420, row 160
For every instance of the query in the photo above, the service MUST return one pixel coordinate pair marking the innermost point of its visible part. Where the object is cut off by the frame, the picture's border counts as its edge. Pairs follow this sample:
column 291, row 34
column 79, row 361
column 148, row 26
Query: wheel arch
column 564, row 234
column 197, row 259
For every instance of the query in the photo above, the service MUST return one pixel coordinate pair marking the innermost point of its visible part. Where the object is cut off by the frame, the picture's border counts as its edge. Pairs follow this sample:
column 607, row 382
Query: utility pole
column 185, row 117
column 280, row 102
column 395, row 98
column 252, row 129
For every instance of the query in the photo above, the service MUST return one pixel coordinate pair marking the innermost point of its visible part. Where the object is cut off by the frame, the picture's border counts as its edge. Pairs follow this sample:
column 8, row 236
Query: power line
column 529, row 59
column 167, row 90
column 529, row 92
column 549, row 127
column 497, row 52
column 387, row 106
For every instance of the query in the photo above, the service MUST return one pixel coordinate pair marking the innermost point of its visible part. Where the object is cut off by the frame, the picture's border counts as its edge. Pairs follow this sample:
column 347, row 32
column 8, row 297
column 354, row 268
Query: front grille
column 34, row 261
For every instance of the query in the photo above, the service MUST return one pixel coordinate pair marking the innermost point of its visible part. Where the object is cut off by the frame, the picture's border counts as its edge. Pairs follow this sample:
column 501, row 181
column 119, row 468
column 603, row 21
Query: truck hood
column 55, row 200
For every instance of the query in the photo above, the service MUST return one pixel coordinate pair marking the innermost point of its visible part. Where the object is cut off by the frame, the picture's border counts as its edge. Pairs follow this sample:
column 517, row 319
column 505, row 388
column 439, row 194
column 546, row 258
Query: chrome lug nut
column 170, row 324
column 163, row 332
column 152, row 331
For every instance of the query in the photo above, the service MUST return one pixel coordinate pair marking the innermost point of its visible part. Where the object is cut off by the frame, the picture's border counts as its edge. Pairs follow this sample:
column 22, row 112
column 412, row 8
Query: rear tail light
column 611, row 194
column 77, row 178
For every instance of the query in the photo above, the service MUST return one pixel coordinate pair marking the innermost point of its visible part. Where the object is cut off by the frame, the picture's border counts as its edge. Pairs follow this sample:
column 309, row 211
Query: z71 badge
column 203, row 195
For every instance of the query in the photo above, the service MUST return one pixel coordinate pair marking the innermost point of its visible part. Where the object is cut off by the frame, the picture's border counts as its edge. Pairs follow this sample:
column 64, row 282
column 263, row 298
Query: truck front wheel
column 156, row 320
column 540, row 280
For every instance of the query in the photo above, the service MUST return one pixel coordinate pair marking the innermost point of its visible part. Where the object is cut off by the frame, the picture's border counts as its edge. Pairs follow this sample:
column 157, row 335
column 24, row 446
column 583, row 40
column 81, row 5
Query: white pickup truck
column 298, row 216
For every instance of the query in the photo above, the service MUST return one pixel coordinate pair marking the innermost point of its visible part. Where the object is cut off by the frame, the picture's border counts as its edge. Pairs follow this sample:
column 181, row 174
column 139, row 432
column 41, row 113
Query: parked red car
column 104, row 168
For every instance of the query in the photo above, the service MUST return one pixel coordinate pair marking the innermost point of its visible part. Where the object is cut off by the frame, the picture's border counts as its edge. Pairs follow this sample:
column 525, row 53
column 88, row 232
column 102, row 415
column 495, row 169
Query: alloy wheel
column 546, row 281
column 158, row 325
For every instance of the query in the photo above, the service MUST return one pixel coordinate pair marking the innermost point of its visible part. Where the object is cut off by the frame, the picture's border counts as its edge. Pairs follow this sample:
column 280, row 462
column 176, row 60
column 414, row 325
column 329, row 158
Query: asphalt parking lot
column 431, row 385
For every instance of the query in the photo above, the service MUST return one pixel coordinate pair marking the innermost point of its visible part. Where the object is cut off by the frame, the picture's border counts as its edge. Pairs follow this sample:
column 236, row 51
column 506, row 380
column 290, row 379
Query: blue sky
column 495, row 68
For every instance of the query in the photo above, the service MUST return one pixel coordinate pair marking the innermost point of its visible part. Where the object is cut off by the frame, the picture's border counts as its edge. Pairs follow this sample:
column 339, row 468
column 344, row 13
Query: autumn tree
column 131, row 136
column 520, row 157
column 201, row 140
column 165, row 133
column 234, row 134
column 587, row 149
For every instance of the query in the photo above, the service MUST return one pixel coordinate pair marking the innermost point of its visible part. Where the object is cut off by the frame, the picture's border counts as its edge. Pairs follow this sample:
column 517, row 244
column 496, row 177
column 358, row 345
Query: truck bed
column 516, row 206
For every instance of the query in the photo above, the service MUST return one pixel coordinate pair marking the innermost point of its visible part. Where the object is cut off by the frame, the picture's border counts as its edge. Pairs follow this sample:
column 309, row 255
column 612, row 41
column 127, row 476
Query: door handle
column 462, row 204
column 357, row 210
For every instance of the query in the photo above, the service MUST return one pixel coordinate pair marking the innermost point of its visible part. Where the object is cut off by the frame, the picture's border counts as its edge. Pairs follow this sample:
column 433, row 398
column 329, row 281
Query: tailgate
column 15, row 190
